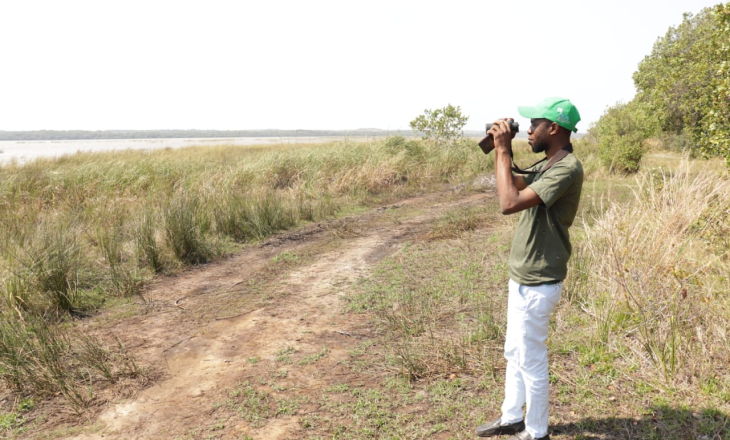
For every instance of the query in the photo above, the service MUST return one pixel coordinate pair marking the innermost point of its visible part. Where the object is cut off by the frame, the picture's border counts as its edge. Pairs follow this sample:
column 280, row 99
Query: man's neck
column 553, row 149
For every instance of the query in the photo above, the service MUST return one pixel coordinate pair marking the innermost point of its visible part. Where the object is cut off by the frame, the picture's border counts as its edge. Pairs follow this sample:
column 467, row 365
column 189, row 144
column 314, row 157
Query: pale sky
column 98, row 65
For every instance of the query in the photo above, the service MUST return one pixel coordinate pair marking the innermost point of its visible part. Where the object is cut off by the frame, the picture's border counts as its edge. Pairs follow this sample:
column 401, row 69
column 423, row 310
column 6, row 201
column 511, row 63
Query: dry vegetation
column 639, row 344
column 640, row 341
column 83, row 229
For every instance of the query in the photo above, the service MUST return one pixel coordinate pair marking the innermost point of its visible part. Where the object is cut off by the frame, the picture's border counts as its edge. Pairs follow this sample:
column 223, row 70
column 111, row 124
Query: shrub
column 442, row 126
column 685, row 80
column 620, row 134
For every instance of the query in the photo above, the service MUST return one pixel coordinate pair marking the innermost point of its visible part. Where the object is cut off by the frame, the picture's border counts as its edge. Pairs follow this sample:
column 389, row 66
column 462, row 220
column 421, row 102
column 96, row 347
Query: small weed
column 280, row 374
column 340, row 388
column 10, row 422
column 287, row 407
column 277, row 387
column 283, row 355
column 26, row 404
column 252, row 405
column 286, row 257
column 314, row 357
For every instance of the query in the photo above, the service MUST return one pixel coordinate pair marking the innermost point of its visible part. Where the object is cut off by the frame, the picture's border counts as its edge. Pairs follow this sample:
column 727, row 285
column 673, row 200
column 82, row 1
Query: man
column 548, row 202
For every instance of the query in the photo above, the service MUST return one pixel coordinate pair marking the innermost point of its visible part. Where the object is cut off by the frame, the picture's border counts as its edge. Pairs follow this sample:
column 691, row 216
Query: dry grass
column 639, row 345
column 653, row 279
column 82, row 228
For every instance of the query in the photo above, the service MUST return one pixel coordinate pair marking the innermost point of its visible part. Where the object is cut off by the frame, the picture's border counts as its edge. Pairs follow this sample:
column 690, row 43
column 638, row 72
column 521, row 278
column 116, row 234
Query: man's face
column 537, row 134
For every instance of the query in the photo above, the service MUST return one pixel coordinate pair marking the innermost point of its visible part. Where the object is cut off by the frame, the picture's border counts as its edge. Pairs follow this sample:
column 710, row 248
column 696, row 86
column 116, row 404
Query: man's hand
column 514, row 195
column 502, row 135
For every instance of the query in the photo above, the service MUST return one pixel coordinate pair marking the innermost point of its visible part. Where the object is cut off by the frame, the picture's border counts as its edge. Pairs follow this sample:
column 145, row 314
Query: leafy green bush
column 620, row 134
column 442, row 126
column 685, row 80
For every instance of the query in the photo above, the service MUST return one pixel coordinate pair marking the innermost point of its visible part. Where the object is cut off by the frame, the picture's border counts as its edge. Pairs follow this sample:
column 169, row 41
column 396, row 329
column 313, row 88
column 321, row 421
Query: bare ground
column 272, row 315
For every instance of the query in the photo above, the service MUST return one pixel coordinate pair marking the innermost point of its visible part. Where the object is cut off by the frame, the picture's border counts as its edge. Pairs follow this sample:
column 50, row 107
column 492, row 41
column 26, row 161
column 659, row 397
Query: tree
column 442, row 126
column 685, row 81
column 716, row 122
column 621, row 132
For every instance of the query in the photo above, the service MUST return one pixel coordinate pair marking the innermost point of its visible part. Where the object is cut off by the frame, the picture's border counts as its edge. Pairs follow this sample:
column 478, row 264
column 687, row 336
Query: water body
column 24, row 151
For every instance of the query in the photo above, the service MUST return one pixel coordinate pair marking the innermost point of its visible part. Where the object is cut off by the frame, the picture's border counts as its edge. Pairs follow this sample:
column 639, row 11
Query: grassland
column 85, row 229
column 638, row 346
column 639, row 343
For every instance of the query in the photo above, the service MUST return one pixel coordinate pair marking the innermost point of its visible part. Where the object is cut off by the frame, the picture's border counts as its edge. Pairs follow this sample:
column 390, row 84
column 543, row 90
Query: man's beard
column 539, row 148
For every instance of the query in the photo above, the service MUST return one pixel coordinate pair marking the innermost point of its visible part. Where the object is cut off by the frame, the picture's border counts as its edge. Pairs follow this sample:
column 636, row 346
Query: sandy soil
column 221, row 325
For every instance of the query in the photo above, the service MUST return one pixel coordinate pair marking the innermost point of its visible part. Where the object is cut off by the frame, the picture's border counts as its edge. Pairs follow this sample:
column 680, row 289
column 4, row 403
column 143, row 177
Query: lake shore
column 25, row 151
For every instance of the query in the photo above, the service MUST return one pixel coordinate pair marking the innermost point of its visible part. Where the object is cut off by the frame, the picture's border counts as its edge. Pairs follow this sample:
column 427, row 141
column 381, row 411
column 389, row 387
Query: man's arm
column 519, row 181
column 514, row 195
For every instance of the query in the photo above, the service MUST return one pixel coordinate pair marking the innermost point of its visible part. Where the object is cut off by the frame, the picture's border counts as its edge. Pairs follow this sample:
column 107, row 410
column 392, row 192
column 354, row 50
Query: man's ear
column 554, row 128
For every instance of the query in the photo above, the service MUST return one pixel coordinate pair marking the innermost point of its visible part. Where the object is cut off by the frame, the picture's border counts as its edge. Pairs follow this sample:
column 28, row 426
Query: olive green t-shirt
column 541, row 247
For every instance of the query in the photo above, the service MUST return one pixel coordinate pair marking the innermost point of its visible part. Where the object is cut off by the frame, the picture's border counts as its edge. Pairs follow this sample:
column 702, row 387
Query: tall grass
column 44, row 258
column 187, row 229
column 31, row 358
column 43, row 359
column 655, row 284
column 80, row 221
column 79, row 227
column 149, row 250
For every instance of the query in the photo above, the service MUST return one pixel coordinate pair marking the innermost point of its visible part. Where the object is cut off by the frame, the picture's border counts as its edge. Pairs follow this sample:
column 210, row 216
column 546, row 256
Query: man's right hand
column 502, row 135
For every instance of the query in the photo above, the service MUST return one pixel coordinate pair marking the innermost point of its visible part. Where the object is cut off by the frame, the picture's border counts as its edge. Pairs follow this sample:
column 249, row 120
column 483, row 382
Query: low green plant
column 252, row 405
column 620, row 133
column 442, row 126
column 10, row 422
column 306, row 360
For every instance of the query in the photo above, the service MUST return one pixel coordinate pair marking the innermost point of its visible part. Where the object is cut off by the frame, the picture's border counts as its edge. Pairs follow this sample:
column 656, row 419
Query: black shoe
column 524, row 435
column 497, row 428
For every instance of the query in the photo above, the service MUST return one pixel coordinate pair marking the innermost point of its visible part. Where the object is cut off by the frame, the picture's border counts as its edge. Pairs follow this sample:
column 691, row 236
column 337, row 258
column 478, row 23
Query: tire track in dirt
column 206, row 357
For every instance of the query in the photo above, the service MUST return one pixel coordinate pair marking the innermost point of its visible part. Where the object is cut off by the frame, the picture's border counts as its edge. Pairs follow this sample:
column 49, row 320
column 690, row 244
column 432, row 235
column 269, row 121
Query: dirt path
column 272, row 315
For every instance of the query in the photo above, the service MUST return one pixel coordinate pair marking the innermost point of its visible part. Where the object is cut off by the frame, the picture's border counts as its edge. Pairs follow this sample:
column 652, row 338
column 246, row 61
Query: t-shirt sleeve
column 553, row 184
column 529, row 178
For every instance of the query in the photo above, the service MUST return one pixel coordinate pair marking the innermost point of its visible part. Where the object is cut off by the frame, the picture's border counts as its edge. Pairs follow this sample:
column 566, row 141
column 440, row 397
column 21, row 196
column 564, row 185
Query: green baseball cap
column 558, row 110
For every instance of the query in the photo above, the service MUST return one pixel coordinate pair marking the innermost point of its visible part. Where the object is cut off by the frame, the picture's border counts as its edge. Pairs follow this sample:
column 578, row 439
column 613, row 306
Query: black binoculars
column 487, row 144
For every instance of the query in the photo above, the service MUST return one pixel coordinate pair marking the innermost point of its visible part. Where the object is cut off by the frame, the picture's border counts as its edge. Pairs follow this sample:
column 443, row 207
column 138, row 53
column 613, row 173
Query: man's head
column 552, row 120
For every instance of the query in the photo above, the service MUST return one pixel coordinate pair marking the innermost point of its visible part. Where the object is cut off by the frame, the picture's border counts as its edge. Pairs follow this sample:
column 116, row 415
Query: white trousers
column 527, row 381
